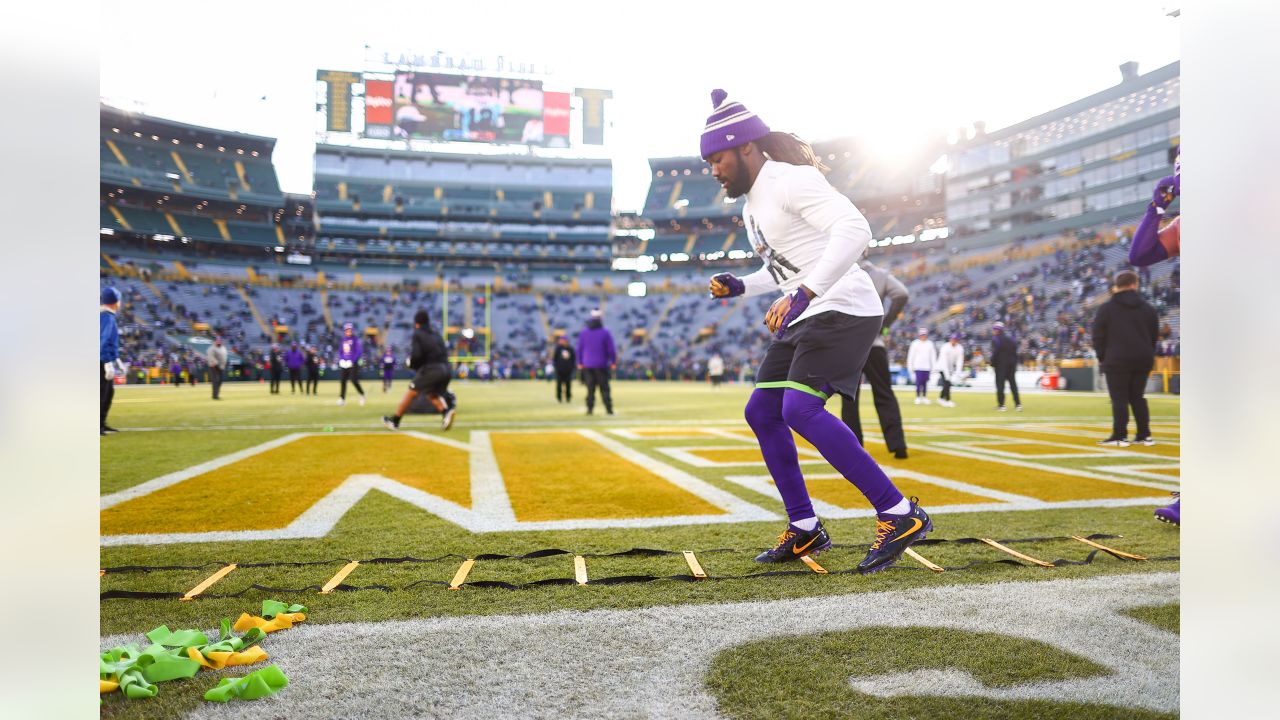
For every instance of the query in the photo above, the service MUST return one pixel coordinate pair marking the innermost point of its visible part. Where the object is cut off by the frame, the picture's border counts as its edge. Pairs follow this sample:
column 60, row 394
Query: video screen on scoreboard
column 467, row 108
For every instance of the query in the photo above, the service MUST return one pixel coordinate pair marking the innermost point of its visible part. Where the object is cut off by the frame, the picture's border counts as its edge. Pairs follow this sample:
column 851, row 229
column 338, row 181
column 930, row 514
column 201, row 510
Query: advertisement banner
column 555, row 119
column 467, row 108
column 377, row 103
column 338, row 98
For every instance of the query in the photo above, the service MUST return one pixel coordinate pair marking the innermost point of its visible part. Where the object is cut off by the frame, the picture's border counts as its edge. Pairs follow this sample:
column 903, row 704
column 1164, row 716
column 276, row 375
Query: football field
column 587, row 534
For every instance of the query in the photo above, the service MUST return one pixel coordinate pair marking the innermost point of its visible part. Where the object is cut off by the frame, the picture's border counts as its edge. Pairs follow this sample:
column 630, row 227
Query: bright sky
column 891, row 71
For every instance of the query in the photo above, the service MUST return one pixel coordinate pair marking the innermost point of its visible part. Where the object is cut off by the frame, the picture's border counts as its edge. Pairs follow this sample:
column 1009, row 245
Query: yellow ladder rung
column 813, row 565
column 1100, row 546
column 694, row 566
column 209, row 581
column 1016, row 554
column 461, row 576
column 580, row 569
column 920, row 559
column 339, row 577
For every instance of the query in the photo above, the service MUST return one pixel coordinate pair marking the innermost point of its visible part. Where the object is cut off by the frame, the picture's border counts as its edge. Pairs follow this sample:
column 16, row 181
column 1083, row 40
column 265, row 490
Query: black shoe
column 794, row 542
column 106, row 429
column 102, row 432
column 894, row 536
column 609, row 411
column 391, row 422
column 900, row 453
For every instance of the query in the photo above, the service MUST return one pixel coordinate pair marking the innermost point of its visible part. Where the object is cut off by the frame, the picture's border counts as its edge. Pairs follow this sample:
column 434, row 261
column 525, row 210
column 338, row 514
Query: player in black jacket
column 564, row 360
column 429, row 356
column 1124, row 337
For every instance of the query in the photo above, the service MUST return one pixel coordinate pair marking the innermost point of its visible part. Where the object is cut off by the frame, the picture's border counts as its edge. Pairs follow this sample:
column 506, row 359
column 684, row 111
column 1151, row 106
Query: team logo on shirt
column 776, row 262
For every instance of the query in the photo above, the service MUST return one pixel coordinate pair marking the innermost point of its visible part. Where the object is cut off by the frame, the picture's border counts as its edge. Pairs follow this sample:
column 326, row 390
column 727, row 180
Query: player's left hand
column 785, row 310
column 1167, row 188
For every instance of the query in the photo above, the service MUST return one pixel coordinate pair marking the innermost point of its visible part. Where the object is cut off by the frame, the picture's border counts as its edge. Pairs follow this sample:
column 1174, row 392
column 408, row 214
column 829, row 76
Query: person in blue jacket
column 108, row 354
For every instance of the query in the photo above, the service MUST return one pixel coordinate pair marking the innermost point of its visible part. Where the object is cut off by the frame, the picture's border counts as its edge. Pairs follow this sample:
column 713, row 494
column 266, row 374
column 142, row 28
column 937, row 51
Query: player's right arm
column 897, row 295
column 727, row 285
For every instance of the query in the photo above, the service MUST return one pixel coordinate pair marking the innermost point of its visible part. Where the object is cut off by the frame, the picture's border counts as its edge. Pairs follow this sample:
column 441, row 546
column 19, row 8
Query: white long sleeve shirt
column 921, row 355
column 950, row 359
column 806, row 232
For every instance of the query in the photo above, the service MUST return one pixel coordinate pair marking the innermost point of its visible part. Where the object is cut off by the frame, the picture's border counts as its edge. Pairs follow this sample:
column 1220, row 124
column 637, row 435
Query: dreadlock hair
column 788, row 148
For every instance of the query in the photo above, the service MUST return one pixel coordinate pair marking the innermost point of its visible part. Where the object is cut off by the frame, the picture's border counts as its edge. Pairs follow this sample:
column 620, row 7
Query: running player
column 430, row 358
column 809, row 237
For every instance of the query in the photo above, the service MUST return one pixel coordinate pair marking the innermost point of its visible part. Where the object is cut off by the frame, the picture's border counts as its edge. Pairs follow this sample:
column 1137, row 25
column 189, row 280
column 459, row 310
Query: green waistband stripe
column 794, row 386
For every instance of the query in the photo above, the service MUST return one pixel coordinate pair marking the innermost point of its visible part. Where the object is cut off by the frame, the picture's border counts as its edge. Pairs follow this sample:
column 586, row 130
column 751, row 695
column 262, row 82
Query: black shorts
column 821, row 355
column 433, row 378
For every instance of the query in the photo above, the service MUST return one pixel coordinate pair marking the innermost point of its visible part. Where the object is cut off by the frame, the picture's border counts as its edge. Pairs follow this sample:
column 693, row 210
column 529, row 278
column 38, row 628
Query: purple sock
column 764, row 415
column 839, row 446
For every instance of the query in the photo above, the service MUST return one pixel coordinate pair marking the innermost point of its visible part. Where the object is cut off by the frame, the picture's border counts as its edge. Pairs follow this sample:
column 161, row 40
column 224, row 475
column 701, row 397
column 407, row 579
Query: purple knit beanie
column 730, row 125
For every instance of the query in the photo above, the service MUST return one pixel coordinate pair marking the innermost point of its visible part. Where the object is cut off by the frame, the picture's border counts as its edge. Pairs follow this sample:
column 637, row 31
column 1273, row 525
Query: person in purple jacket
column 349, row 352
column 388, row 367
column 293, row 359
column 597, row 355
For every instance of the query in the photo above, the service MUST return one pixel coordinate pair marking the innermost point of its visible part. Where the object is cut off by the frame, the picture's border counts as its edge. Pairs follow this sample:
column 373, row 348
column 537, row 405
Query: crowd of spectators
column 1045, row 302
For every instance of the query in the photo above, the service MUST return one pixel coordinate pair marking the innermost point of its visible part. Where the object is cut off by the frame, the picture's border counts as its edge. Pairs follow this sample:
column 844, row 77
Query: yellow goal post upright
column 451, row 332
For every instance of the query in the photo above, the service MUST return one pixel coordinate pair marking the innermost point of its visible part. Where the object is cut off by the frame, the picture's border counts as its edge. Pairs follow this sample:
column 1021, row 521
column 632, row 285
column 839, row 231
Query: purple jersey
column 350, row 349
column 388, row 365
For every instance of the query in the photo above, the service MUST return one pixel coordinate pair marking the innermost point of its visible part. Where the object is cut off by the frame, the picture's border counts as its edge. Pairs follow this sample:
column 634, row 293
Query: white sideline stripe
column 740, row 509
column 1047, row 468
column 489, row 496
column 174, row 478
column 642, row 664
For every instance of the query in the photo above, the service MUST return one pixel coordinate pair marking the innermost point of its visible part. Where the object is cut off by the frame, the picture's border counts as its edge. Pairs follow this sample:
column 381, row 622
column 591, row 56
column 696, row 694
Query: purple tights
column 773, row 413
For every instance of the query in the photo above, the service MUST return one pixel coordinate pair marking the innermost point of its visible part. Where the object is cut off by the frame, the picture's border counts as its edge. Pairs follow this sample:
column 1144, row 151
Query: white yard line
column 650, row 662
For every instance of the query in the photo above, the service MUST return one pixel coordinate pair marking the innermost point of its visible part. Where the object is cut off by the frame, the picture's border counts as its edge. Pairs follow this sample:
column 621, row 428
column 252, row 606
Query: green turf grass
column 184, row 427
column 1166, row 617
column 767, row 679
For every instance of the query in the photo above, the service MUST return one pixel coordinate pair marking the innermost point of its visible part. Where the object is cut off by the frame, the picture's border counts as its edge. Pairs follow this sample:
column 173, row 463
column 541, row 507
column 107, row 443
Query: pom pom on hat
column 717, row 96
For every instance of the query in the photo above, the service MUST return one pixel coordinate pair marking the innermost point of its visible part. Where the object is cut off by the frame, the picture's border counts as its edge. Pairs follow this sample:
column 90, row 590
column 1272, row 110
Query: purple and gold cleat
column 1171, row 513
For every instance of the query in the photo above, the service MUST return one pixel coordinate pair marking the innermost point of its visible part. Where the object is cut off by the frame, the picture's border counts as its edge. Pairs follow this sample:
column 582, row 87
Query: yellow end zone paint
column 1032, row 482
column 843, row 494
column 271, row 489
column 1031, row 449
column 565, row 476
column 661, row 433
column 1089, row 441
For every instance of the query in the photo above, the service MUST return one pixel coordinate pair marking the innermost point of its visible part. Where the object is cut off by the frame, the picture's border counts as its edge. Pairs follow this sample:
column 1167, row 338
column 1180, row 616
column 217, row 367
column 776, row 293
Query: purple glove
column 799, row 303
column 736, row 286
column 1167, row 188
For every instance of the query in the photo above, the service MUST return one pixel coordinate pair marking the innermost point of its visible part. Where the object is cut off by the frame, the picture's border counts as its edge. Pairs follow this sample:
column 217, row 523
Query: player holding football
column 809, row 237
column 1152, row 244
column 430, row 357
column 349, row 352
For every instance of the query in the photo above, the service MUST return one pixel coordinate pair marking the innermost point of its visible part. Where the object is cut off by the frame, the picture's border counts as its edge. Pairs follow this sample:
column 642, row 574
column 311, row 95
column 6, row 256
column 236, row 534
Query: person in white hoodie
column 950, row 364
column 920, row 360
